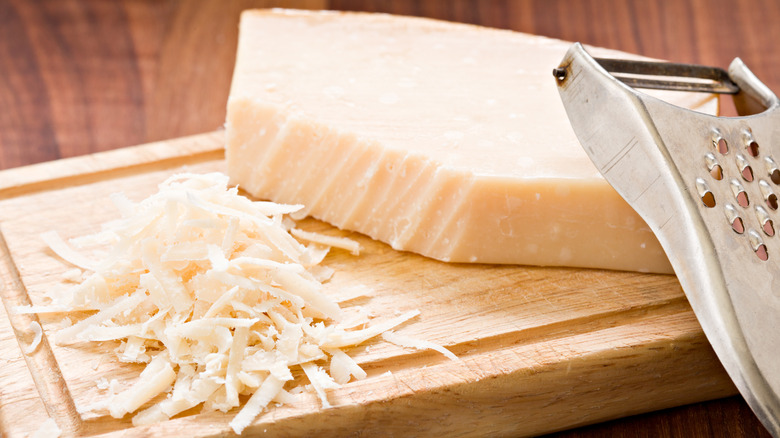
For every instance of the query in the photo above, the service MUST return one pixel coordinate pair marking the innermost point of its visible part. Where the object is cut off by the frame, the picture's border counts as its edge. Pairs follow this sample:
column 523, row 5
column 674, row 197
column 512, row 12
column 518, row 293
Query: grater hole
column 744, row 168
column 768, row 228
column 713, row 166
column 766, row 222
column 747, row 173
column 717, row 172
column 772, row 169
column 739, row 193
column 771, row 201
column 774, row 175
column 743, row 201
column 704, row 193
column 722, row 146
column 758, row 245
column 734, row 219
column 768, row 193
column 762, row 253
column 753, row 148
column 737, row 225
column 708, row 199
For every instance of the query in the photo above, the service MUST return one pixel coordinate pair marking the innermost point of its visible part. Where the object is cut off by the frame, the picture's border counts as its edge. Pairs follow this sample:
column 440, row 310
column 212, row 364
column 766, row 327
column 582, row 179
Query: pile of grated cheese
column 214, row 293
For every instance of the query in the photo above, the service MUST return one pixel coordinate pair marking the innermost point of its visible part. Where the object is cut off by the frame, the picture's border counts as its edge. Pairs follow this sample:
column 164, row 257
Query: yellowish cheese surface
column 444, row 139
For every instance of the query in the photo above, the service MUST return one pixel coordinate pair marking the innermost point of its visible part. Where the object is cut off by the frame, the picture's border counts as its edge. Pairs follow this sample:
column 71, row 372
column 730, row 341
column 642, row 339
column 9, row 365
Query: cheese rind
column 443, row 139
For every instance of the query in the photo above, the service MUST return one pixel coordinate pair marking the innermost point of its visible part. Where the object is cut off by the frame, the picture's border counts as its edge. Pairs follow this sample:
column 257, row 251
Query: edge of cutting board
column 586, row 369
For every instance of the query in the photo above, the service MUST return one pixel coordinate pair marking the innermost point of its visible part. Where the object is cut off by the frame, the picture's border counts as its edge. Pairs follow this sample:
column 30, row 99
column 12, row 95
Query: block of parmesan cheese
column 447, row 140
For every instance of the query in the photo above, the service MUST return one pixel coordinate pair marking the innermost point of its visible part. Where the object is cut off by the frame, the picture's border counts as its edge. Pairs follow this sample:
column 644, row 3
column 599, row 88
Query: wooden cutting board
column 541, row 349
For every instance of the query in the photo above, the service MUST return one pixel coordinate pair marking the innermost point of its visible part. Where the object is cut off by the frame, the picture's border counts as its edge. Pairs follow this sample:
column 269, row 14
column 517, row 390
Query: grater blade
column 708, row 187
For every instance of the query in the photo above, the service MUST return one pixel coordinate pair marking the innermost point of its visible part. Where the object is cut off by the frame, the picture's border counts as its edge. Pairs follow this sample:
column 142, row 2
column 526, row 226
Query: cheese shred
column 217, row 296
column 37, row 332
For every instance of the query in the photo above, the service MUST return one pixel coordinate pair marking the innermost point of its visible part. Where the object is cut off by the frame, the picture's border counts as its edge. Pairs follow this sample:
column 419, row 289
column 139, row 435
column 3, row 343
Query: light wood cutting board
column 541, row 349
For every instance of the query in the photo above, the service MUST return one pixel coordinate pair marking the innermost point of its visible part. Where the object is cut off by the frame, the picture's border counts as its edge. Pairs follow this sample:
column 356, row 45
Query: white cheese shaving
column 154, row 380
column 37, row 332
column 48, row 429
column 342, row 366
column 341, row 338
column 215, row 294
column 331, row 241
column 270, row 388
column 28, row 309
column 102, row 383
column 73, row 275
column 420, row 344
column 320, row 380
column 62, row 249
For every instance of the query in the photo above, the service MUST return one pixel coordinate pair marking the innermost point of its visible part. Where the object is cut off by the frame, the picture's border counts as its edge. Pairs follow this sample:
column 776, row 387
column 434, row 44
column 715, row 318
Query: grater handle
column 753, row 97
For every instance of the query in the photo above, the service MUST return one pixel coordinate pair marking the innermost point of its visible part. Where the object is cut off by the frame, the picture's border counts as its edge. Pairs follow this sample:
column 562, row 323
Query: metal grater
column 707, row 186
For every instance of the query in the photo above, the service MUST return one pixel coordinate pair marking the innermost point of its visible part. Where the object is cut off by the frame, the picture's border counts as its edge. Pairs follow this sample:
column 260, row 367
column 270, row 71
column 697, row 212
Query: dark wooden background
column 83, row 76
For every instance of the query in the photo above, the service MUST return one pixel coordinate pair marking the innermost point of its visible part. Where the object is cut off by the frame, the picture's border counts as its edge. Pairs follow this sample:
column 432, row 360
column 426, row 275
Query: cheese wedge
column 448, row 140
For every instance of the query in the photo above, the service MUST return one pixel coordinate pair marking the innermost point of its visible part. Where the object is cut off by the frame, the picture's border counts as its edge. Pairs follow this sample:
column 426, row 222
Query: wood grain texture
column 79, row 77
column 90, row 76
column 540, row 349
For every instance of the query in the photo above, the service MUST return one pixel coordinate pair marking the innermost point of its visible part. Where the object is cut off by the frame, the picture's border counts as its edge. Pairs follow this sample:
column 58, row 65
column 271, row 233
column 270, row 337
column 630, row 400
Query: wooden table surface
column 83, row 76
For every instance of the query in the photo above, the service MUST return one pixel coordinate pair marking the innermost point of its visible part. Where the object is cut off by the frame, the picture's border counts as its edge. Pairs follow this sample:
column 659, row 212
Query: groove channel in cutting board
column 541, row 349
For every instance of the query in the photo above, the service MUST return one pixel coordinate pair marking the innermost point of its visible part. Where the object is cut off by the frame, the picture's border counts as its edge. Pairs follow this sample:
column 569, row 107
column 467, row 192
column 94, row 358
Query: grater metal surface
column 708, row 187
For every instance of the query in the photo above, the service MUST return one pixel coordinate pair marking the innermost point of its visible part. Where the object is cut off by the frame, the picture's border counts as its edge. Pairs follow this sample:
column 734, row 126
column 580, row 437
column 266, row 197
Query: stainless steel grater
column 707, row 186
